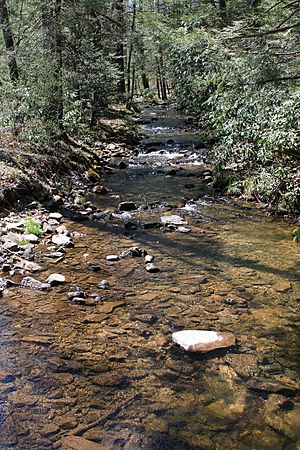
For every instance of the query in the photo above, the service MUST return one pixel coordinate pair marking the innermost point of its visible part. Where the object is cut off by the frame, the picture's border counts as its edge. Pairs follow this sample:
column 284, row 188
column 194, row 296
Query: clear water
column 103, row 374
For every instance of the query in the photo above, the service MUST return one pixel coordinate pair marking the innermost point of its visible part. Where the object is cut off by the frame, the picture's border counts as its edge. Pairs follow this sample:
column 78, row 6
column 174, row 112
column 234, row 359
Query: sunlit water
column 100, row 373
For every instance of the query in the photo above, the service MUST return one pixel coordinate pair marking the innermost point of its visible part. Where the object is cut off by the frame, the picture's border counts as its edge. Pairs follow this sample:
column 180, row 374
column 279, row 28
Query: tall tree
column 9, row 42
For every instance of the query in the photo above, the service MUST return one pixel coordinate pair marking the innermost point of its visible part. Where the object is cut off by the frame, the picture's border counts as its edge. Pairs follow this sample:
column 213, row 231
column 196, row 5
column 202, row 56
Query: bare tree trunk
column 51, row 21
column 145, row 81
column 120, row 53
column 130, row 52
column 9, row 42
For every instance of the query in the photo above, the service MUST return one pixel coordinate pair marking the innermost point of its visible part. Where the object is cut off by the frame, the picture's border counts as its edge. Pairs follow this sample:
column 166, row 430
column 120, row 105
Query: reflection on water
column 109, row 375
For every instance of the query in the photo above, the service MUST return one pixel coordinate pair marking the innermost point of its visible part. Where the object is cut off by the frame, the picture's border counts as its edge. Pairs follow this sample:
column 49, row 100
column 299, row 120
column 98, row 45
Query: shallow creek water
column 103, row 374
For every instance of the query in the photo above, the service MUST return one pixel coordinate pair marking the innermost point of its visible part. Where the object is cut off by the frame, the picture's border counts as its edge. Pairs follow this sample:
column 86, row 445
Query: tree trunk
column 9, row 42
column 130, row 52
column 145, row 81
column 53, row 59
column 120, row 53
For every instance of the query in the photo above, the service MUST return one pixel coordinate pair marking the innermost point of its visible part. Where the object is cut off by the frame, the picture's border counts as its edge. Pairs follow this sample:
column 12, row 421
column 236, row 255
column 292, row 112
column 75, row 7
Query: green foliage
column 244, row 93
column 32, row 226
column 24, row 242
column 296, row 235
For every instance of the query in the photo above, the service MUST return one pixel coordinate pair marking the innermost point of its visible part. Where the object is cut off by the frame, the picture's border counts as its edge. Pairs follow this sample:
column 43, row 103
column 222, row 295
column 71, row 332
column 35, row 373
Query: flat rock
column 152, row 268
column 149, row 258
column 62, row 239
column 203, row 341
column 55, row 215
column 32, row 283
column 22, row 263
column 29, row 237
column 173, row 220
column 113, row 258
column 78, row 443
column 182, row 229
column 55, row 279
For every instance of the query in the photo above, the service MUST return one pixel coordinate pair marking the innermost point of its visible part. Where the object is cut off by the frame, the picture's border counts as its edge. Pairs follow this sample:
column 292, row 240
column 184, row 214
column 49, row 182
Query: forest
column 231, row 65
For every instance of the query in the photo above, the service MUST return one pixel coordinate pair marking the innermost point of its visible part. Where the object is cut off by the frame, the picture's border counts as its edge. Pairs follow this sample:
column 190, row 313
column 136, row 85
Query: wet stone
column 32, row 283
column 104, row 284
column 113, row 258
column 134, row 252
column 56, row 279
column 5, row 283
column 173, row 220
column 152, row 268
column 62, row 240
column 55, row 215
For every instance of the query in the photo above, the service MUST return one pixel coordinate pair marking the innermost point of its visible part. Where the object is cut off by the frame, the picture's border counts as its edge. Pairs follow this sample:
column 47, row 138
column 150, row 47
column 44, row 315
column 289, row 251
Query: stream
column 109, row 374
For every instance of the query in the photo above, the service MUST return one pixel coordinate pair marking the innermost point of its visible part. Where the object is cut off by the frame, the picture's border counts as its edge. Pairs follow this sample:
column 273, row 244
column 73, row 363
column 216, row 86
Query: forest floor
column 31, row 171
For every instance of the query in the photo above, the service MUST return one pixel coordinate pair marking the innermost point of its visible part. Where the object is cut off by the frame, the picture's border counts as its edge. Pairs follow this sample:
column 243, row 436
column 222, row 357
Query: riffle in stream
column 110, row 373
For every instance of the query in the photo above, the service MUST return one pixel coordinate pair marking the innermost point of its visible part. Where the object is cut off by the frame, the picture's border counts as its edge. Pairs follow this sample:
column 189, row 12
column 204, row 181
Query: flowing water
column 110, row 373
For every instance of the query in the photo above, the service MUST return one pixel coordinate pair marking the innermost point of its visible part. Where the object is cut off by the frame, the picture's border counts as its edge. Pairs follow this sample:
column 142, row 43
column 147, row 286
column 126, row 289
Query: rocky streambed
column 88, row 308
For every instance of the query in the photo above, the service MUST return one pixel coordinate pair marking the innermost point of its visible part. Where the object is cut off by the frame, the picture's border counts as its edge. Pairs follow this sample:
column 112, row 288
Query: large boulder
column 203, row 341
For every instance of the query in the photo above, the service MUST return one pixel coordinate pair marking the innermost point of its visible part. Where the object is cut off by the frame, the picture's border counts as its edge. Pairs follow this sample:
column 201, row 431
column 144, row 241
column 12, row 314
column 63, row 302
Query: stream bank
column 105, row 374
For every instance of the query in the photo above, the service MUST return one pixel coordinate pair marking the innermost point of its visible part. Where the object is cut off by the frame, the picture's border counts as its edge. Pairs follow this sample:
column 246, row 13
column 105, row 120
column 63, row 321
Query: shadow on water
column 209, row 248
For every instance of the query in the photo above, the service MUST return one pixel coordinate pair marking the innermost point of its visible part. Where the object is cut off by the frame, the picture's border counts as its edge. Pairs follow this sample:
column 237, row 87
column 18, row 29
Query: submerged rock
column 77, row 442
column 203, row 341
column 145, row 318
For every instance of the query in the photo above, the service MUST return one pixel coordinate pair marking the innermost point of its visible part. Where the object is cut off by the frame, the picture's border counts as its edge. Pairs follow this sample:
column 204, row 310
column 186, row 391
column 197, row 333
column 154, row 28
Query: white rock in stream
column 203, row 341
column 173, row 220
